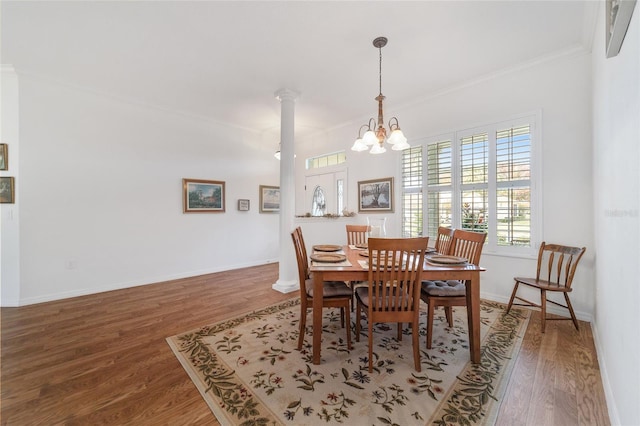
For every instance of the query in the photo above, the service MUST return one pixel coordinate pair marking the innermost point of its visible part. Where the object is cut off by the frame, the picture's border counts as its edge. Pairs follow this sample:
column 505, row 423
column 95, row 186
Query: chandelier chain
column 380, row 69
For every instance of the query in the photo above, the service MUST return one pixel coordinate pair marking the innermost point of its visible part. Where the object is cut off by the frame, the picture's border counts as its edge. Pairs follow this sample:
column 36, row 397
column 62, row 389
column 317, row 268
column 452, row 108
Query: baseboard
column 128, row 284
column 614, row 417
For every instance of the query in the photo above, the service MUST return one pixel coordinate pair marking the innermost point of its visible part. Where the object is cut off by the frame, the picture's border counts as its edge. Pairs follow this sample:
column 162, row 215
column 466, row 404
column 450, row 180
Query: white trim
column 612, row 407
column 129, row 284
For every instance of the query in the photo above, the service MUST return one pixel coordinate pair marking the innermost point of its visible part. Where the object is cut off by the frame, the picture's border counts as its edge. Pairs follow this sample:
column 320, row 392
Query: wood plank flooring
column 103, row 358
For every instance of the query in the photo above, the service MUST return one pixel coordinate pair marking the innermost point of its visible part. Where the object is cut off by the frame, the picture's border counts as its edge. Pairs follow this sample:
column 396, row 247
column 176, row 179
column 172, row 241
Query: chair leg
column 513, row 296
column 399, row 332
column 429, row 324
column 353, row 294
column 573, row 315
column 303, row 325
column 358, row 315
column 543, row 307
column 416, row 345
column 448, row 312
column 349, row 346
column 370, row 324
column 342, row 317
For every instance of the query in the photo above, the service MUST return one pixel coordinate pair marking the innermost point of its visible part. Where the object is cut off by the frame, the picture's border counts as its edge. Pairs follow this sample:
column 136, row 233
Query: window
column 412, row 192
column 479, row 179
column 326, row 160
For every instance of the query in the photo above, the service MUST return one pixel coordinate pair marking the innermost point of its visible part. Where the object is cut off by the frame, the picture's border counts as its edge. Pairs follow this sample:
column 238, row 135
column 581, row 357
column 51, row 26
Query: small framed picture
column 4, row 156
column 243, row 205
column 375, row 195
column 203, row 196
column 7, row 191
column 269, row 199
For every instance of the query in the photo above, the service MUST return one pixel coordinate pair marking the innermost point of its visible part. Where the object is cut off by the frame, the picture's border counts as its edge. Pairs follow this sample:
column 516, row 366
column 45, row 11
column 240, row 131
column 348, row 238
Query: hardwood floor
column 103, row 358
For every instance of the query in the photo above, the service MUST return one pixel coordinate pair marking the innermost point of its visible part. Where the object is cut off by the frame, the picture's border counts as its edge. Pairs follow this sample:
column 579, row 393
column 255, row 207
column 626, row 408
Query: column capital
column 286, row 95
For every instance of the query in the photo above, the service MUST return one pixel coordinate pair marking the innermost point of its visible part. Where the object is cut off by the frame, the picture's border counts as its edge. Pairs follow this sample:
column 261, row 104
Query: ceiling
column 223, row 61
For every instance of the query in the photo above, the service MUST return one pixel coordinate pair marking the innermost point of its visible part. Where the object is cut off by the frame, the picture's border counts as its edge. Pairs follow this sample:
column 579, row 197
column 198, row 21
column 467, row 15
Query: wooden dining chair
column 335, row 294
column 443, row 239
column 392, row 293
column 357, row 234
column 466, row 244
column 556, row 268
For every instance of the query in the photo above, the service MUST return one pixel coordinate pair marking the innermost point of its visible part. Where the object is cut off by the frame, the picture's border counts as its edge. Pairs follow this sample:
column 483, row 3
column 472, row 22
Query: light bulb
column 377, row 149
column 369, row 138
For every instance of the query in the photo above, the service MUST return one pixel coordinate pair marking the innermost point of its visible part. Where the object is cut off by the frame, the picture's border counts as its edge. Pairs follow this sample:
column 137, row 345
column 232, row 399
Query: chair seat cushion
column 330, row 289
column 362, row 294
column 444, row 288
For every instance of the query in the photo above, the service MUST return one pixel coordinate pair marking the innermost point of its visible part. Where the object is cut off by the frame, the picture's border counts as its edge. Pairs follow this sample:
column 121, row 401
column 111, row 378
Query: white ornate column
column 287, row 281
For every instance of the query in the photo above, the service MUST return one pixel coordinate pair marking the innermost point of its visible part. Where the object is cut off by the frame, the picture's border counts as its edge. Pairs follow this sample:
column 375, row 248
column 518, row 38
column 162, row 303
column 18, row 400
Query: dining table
column 352, row 270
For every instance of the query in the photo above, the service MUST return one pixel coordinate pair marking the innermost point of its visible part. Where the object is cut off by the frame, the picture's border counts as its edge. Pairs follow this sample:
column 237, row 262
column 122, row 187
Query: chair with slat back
column 556, row 268
column 336, row 294
column 443, row 240
column 392, row 293
column 466, row 244
column 357, row 234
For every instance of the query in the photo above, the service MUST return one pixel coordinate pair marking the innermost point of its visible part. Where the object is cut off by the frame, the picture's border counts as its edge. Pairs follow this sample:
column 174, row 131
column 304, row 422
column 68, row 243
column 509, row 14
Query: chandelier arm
column 394, row 126
column 364, row 126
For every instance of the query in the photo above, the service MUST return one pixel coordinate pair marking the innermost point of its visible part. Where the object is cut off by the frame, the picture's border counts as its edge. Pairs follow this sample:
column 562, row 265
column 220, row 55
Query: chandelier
column 374, row 137
column 277, row 154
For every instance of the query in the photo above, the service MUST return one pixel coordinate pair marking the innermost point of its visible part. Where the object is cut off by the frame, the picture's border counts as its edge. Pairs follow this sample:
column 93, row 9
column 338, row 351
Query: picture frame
column 243, row 205
column 617, row 16
column 375, row 195
column 7, row 190
column 203, row 196
column 269, row 199
column 4, row 156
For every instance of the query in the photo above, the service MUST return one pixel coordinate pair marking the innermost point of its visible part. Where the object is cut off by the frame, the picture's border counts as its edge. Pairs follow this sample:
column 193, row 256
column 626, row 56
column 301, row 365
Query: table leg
column 473, row 316
column 317, row 315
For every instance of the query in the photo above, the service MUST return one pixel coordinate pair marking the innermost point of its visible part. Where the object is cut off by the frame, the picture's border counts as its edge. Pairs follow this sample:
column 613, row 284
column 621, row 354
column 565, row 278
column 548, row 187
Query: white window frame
column 534, row 120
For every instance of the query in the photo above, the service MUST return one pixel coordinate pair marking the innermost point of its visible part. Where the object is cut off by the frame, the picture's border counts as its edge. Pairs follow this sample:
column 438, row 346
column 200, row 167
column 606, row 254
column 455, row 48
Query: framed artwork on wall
column 7, row 191
column 203, row 196
column 4, row 156
column 243, row 205
column 269, row 199
column 375, row 195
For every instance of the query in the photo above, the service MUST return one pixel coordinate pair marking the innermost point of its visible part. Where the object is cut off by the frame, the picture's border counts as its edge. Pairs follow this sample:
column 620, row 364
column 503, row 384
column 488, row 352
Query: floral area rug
column 249, row 371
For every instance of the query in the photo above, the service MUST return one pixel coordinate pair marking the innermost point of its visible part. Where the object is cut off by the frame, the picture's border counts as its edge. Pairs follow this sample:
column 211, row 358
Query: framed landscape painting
column 269, row 199
column 203, row 196
column 375, row 195
column 7, row 191
column 4, row 157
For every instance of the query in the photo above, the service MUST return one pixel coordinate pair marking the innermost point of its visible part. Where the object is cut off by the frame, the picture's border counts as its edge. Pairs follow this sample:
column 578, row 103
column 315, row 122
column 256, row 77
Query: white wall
column 100, row 194
column 10, row 213
column 558, row 87
column 616, row 129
